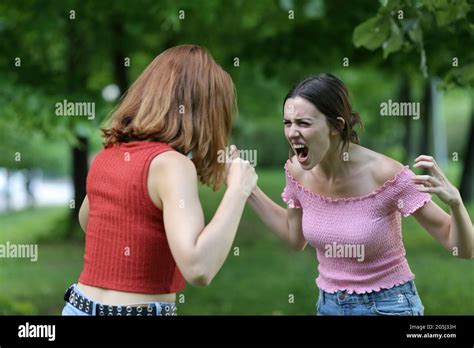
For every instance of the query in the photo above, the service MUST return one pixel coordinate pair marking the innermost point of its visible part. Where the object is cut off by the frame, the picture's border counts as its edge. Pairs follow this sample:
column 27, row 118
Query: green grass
column 28, row 287
column 31, row 224
column 264, row 278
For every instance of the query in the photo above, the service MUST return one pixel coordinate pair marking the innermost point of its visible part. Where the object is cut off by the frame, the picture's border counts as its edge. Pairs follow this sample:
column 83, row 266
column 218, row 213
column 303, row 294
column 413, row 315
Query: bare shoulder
column 169, row 173
column 384, row 168
column 172, row 164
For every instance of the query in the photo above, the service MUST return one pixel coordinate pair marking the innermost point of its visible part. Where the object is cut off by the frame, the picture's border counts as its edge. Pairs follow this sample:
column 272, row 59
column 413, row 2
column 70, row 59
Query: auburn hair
column 184, row 99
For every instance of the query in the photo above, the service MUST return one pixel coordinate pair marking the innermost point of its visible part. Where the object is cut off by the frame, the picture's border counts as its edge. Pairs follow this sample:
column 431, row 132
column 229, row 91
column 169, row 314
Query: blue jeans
column 399, row 300
column 69, row 309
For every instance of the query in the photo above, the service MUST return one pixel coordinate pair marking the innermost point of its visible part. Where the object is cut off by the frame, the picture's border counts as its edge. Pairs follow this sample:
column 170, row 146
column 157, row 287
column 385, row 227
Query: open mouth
column 301, row 152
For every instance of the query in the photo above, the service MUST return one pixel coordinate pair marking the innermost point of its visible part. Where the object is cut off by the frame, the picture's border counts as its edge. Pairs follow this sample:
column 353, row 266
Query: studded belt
column 87, row 306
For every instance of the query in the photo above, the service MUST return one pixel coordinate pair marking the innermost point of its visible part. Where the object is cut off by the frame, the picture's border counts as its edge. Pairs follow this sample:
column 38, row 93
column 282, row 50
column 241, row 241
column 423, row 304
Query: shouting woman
column 346, row 201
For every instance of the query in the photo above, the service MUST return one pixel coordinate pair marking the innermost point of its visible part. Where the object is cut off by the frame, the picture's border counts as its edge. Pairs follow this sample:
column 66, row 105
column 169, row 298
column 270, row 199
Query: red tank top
column 126, row 247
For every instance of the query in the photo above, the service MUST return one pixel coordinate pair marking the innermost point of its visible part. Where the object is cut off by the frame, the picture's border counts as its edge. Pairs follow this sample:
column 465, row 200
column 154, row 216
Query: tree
column 439, row 31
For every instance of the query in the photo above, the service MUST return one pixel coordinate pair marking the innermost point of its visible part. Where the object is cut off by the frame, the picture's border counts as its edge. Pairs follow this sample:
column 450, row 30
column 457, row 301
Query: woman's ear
column 340, row 126
column 341, row 121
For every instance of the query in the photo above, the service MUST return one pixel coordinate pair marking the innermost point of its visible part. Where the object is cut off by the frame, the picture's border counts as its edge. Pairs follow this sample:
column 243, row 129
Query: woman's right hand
column 241, row 176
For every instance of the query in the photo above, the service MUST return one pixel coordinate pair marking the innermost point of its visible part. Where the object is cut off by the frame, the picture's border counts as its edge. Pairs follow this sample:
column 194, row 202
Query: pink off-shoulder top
column 358, row 240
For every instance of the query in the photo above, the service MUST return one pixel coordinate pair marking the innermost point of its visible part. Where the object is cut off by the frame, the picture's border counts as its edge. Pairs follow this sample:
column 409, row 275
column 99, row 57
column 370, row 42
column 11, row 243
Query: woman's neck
column 336, row 163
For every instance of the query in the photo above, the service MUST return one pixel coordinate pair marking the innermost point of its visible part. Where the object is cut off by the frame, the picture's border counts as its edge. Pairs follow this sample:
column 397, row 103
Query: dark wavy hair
column 331, row 97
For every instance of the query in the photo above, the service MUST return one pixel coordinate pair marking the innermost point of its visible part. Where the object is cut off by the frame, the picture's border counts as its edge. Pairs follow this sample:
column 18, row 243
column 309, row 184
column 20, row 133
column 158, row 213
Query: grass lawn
column 28, row 287
column 261, row 275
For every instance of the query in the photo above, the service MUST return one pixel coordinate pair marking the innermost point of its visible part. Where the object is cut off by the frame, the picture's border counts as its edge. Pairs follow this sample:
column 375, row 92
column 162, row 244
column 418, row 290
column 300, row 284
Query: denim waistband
column 342, row 296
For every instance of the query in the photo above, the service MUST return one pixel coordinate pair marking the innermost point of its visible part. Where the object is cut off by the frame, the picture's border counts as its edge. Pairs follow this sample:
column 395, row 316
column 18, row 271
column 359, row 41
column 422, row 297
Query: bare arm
column 454, row 231
column 84, row 214
column 200, row 250
column 284, row 223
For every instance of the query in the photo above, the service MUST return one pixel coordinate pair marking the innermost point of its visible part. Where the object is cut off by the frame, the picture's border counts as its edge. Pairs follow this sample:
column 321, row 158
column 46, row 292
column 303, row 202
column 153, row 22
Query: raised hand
column 233, row 154
column 436, row 183
column 240, row 174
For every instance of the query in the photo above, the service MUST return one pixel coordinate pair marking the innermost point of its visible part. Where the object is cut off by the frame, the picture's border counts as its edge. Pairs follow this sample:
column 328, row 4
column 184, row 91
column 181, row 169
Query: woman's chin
column 306, row 163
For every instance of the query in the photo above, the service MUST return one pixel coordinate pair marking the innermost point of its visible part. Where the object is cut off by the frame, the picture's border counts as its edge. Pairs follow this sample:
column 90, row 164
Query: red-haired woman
column 144, row 224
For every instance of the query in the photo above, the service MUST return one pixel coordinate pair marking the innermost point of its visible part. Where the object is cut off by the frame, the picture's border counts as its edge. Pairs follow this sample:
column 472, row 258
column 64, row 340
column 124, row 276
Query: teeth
column 298, row 146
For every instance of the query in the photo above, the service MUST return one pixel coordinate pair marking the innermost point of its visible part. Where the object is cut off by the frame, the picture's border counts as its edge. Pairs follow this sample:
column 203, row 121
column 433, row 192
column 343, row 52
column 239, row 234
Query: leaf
column 287, row 4
column 387, row 6
column 449, row 12
column 423, row 67
column 465, row 75
column 372, row 33
column 314, row 9
column 415, row 33
column 395, row 42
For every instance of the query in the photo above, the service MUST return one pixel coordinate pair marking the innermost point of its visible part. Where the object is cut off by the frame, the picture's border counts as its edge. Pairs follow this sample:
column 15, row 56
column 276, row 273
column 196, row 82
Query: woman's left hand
column 436, row 183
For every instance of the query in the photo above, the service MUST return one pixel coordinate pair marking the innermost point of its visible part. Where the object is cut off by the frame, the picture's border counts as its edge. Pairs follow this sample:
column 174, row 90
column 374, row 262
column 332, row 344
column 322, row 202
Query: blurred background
column 91, row 51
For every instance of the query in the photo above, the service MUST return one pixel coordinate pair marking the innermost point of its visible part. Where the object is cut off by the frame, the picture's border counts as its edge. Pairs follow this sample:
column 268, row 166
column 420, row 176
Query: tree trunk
column 76, row 74
column 80, row 168
column 426, row 122
column 438, row 127
column 405, row 97
column 467, row 185
column 8, row 203
column 30, row 197
column 118, row 54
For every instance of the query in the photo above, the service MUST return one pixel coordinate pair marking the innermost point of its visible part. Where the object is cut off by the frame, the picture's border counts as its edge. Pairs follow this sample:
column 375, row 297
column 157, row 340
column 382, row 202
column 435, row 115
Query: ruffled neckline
column 374, row 193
